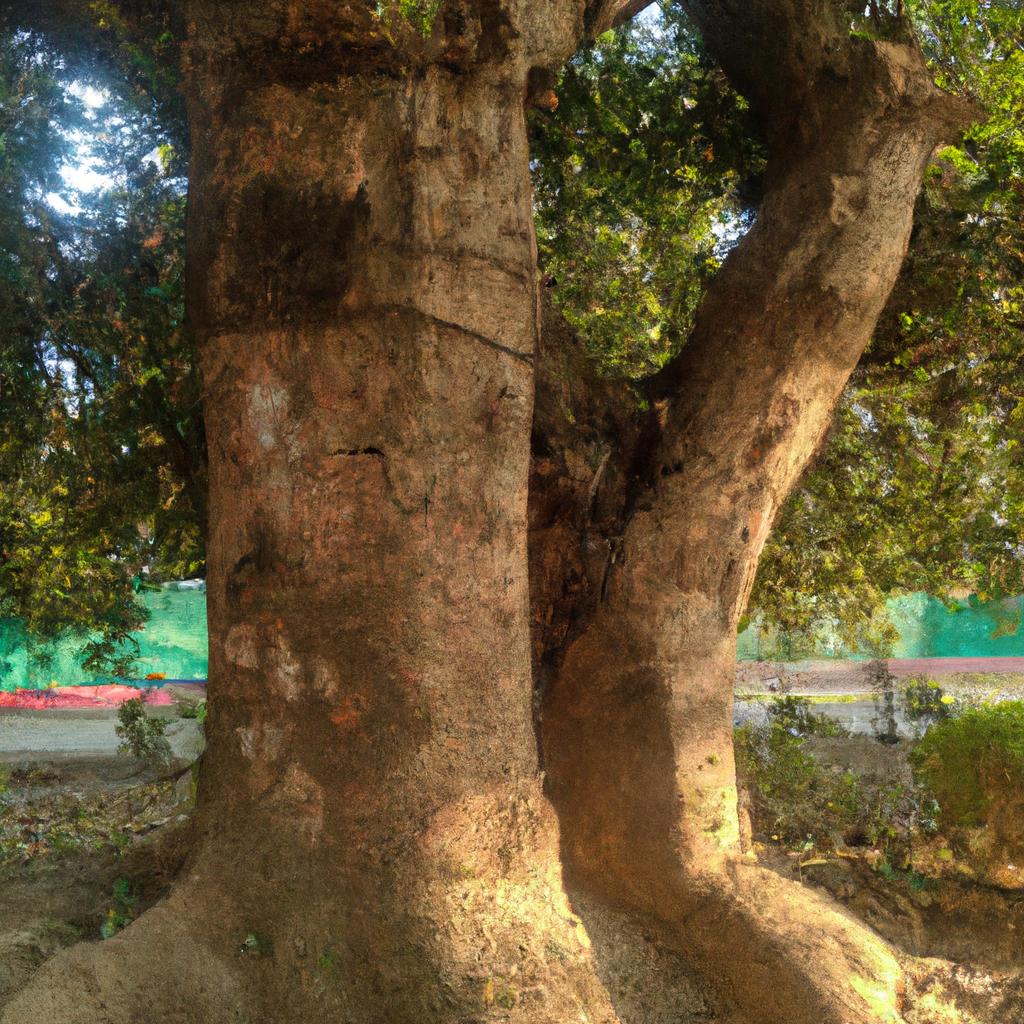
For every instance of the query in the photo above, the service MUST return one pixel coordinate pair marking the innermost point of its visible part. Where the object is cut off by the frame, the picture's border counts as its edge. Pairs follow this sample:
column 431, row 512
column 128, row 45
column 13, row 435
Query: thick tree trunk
column 375, row 843
column 637, row 721
column 369, row 393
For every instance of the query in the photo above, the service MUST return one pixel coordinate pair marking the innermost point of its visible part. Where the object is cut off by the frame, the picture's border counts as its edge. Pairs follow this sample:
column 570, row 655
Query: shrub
column 924, row 702
column 799, row 803
column 971, row 760
column 142, row 736
column 122, row 912
column 194, row 709
column 793, row 799
column 795, row 715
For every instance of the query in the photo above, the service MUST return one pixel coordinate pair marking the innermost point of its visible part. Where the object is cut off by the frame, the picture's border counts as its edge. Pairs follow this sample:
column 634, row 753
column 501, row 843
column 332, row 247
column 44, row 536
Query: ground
column 89, row 839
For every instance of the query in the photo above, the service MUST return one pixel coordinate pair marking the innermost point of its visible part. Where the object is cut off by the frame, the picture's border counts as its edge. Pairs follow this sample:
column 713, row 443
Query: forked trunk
column 637, row 721
column 374, row 842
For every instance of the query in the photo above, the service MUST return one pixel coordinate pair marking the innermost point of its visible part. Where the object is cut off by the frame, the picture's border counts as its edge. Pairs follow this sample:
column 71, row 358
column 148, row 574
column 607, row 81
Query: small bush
column 142, row 736
column 194, row 709
column 122, row 912
column 797, row 802
column 794, row 714
column 924, row 702
column 794, row 801
column 970, row 760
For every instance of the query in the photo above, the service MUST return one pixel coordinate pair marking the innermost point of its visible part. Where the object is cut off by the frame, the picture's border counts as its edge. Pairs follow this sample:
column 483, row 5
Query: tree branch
column 799, row 65
column 605, row 14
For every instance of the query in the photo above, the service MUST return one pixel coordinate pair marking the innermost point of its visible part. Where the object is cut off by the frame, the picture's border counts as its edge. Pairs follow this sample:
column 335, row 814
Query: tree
column 362, row 284
column 649, row 168
column 100, row 431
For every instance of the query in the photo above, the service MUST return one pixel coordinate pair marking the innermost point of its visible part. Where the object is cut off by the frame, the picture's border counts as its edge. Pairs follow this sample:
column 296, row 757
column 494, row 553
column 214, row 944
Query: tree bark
column 637, row 719
column 375, row 842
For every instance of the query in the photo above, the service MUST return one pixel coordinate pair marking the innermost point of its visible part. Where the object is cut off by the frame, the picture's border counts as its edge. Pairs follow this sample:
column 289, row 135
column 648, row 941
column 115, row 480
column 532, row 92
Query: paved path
column 23, row 733
column 845, row 677
column 937, row 667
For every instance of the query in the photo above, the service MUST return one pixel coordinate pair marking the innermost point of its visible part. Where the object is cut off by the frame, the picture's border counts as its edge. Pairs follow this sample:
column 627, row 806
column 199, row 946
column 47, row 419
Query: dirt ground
column 88, row 841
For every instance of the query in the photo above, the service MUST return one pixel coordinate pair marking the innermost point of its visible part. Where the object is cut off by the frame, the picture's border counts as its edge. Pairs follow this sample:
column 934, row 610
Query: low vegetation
column 40, row 820
column 122, row 909
column 142, row 735
column 955, row 807
column 973, row 762
column 195, row 709
column 802, row 804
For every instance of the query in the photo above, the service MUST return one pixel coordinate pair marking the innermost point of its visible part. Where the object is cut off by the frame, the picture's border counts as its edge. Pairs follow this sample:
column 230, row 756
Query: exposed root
column 153, row 971
column 777, row 953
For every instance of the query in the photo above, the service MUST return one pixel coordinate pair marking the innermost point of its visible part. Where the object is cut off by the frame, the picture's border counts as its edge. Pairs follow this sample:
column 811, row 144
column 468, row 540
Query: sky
column 81, row 174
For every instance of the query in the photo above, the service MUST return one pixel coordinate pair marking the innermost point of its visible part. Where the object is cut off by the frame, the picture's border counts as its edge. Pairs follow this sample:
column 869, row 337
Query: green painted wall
column 173, row 642
column 928, row 629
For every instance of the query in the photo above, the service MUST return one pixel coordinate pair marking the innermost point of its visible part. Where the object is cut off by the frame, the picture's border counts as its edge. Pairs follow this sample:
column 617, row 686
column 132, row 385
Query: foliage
column 41, row 821
column 142, row 736
column 794, row 802
column 650, row 169
column 639, row 177
column 194, row 709
column 101, row 450
column 646, row 173
column 418, row 13
column 798, row 803
column 920, row 485
column 794, row 714
column 122, row 911
column 972, row 760
column 924, row 702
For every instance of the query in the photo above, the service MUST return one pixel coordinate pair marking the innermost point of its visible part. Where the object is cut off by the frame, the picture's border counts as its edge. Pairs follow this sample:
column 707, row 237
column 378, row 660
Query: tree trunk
column 637, row 720
column 375, row 843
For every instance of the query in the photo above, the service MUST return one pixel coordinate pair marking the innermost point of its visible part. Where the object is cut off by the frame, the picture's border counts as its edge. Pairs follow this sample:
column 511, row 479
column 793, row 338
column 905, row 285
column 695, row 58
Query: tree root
column 777, row 953
column 153, row 971
column 744, row 946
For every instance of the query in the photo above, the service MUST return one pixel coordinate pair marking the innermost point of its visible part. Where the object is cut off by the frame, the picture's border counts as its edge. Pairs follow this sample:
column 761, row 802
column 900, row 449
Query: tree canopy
column 646, row 174
column 101, row 436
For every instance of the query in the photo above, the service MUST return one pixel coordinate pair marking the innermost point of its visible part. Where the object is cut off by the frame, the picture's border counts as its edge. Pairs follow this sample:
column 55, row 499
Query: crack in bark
column 451, row 325
column 375, row 453
column 458, row 257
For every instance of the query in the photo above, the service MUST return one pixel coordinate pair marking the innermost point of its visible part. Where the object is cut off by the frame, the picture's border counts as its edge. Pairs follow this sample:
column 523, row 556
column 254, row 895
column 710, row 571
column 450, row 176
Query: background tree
column 100, row 437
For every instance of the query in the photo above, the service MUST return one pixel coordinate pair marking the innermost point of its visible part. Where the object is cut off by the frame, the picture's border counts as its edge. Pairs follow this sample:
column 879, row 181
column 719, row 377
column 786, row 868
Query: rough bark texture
column 637, row 719
column 376, row 845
